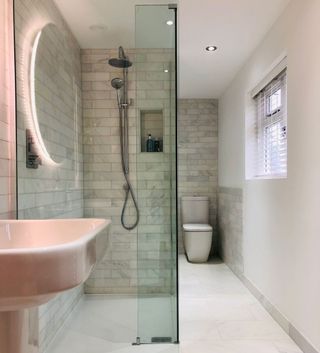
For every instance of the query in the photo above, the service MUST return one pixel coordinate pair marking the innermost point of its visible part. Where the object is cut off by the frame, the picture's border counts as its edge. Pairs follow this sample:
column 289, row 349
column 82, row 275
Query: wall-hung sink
column 38, row 259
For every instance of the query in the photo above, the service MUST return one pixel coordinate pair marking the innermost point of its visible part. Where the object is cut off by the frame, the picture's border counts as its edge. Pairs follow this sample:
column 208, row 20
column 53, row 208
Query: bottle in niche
column 150, row 144
column 157, row 145
column 161, row 145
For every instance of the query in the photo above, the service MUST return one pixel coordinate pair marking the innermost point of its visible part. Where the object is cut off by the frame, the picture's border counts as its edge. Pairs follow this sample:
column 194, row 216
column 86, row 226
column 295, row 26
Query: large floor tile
column 106, row 317
column 76, row 342
column 217, row 315
column 238, row 330
column 228, row 347
column 287, row 346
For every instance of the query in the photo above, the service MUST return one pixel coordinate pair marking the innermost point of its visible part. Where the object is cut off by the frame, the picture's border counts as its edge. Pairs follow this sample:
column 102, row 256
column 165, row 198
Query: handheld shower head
column 117, row 83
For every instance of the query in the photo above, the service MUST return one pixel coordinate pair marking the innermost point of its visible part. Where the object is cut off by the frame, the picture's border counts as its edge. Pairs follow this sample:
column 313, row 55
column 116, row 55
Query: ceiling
column 235, row 26
column 105, row 23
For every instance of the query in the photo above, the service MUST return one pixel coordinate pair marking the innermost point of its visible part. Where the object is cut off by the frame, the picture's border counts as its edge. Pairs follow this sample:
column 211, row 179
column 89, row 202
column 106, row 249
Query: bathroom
column 133, row 125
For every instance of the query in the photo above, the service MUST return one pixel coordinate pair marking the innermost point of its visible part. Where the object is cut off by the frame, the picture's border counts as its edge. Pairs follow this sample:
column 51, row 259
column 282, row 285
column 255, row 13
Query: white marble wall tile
column 50, row 191
column 103, row 179
column 230, row 219
column 198, row 155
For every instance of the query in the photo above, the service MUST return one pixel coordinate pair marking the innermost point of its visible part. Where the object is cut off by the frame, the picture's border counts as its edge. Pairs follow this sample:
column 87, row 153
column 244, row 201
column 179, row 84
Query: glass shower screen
column 155, row 102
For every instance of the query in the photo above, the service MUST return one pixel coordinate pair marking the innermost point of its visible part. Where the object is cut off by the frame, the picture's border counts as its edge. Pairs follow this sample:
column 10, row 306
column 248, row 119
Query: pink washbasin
column 40, row 258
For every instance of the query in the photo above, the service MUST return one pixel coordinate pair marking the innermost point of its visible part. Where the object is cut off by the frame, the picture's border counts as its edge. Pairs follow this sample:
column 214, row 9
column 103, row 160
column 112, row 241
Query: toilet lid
column 194, row 227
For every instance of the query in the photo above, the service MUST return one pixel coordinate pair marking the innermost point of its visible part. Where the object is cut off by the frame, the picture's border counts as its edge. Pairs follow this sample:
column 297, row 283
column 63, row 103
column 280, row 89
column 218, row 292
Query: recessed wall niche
column 151, row 123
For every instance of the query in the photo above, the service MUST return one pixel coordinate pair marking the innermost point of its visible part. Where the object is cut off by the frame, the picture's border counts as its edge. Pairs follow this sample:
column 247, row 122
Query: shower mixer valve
column 127, row 104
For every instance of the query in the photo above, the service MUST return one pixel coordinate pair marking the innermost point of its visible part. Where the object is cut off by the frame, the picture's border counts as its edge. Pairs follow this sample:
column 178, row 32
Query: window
column 271, row 129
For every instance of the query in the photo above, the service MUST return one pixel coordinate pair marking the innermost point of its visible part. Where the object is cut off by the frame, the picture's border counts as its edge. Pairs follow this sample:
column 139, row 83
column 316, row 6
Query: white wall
column 281, row 240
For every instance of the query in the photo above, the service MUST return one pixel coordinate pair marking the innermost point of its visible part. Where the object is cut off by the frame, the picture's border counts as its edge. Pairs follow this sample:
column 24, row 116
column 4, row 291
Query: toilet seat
column 195, row 227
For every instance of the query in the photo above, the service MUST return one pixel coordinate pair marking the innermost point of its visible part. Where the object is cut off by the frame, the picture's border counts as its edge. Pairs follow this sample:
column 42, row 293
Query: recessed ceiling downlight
column 211, row 48
column 169, row 23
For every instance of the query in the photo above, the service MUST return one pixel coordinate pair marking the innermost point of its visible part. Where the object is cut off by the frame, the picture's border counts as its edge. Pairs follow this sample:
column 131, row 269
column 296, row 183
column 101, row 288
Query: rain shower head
column 120, row 63
column 117, row 83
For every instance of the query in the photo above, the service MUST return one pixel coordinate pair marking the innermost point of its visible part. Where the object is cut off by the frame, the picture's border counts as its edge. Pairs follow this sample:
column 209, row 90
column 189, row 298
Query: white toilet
column 197, row 232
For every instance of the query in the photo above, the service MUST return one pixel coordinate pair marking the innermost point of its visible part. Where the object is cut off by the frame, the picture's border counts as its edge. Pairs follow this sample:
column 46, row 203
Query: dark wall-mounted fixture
column 33, row 159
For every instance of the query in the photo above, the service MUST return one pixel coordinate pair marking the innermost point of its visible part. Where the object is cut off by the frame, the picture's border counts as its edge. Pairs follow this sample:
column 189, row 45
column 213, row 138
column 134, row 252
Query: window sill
column 268, row 177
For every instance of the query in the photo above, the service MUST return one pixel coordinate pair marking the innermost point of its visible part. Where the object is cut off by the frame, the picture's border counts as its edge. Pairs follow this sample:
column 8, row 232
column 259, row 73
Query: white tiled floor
column 217, row 315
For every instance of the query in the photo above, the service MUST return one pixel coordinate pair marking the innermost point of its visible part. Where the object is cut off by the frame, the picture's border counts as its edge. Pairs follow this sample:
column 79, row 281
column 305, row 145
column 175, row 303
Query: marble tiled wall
column 52, row 190
column 103, row 180
column 149, row 87
column 230, row 224
column 198, row 155
column 7, row 113
column 52, row 316
column 155, row 90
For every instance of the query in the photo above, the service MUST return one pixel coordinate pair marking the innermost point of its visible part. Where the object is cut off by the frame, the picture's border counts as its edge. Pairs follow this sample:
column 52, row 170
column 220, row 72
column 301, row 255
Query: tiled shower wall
column 198, row 156
column 51, row 191
column 156, row 174
column 230, row 219
column 7, row 113
column 149, row 87
column 103, row 180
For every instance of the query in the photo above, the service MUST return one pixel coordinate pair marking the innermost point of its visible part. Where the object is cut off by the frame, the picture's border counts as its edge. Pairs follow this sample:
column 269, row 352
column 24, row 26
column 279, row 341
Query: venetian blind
column 271, row 128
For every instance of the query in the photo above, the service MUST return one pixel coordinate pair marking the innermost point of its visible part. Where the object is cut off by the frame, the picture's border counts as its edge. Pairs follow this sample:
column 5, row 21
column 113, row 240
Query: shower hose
column 124, row 145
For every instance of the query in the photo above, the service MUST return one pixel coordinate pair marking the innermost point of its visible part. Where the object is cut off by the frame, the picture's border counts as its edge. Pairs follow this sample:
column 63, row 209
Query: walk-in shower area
column 97, row 139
